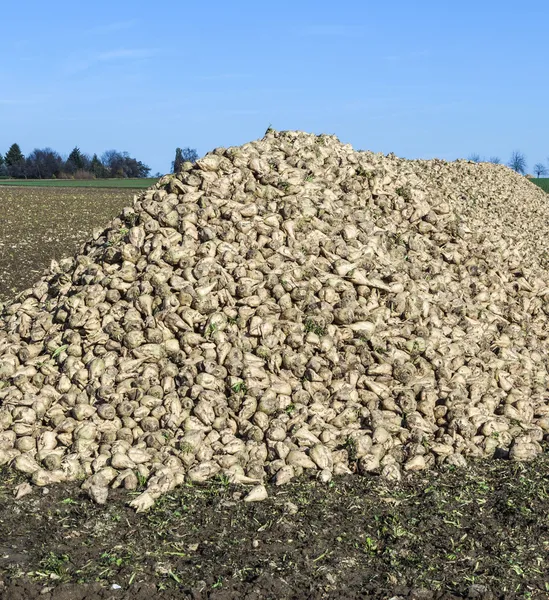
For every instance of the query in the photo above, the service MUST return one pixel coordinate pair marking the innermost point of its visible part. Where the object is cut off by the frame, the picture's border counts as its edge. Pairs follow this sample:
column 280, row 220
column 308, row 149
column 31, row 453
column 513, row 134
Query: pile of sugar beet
column 287, row 307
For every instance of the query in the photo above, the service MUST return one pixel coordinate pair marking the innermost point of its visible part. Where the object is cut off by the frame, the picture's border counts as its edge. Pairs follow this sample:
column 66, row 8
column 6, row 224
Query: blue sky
column 417, row 78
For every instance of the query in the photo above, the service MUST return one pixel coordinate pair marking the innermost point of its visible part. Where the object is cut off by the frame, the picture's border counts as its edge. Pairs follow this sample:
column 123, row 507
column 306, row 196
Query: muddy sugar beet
column 286, row 307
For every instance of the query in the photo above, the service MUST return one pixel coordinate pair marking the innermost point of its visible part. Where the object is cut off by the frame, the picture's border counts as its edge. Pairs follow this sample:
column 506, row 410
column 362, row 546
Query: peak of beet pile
column 286, row 306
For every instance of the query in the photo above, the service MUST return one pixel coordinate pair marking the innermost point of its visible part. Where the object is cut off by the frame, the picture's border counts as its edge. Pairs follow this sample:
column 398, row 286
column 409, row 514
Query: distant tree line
column 46, row 163
column 517, row 162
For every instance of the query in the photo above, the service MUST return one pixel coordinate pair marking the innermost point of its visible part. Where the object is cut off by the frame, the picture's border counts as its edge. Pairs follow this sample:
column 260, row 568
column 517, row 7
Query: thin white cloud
column 112, row 27
column 24, row 100
column 125, row 53
column 79, row 65
column 238, row 112
column 329, row 30
column 222, row 76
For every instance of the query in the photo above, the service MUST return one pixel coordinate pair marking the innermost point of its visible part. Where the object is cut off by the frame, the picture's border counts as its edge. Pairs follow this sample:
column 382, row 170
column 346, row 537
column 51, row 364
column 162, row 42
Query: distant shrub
column 82, row 174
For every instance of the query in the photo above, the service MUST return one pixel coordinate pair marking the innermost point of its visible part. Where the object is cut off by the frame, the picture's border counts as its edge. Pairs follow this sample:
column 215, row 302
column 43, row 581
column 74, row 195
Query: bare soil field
column 140, row 183
column 41, row 224
column 475, row 532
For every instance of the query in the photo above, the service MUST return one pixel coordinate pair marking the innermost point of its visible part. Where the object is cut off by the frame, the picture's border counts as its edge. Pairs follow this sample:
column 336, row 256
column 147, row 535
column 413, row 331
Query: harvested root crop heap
column 286, row 306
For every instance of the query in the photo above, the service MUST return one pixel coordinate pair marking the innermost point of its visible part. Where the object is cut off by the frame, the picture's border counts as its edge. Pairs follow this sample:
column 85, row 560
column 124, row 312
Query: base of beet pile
column 289, row 306
column 479, row 532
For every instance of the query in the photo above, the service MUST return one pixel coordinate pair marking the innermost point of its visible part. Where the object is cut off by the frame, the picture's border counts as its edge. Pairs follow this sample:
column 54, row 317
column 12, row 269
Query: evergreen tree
column 176, row 165
column 76, row 159
column 96, row 167
column 15, row 161
column 14, row 155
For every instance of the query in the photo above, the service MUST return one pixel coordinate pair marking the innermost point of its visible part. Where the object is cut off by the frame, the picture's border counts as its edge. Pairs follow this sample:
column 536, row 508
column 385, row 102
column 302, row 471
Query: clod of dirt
column 289, row 306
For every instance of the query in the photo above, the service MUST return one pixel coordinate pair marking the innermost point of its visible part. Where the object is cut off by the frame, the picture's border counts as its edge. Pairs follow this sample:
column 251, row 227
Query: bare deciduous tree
column 121, row 164
column 518, row 162
column 43, row 163
column 540, row 169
